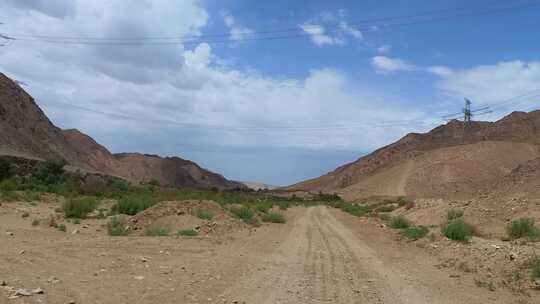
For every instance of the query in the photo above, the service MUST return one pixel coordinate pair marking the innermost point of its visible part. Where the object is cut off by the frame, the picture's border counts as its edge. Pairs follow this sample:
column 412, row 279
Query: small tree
column 6, row 170
column 50, row 171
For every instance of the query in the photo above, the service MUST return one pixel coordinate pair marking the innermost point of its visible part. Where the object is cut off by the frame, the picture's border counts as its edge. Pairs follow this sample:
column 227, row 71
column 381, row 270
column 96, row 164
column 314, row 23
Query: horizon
column 339, row 81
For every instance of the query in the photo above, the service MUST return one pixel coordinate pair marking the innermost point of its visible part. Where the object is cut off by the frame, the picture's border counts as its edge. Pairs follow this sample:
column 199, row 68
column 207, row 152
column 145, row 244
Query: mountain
column 26, row 131
column 448, row 161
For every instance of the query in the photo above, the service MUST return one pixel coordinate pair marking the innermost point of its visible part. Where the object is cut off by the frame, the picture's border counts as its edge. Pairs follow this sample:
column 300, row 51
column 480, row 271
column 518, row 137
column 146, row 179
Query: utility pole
column 467, row 114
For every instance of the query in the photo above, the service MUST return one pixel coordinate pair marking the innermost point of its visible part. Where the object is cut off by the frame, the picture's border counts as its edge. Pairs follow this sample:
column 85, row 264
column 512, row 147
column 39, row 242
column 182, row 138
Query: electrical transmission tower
column 467, row 114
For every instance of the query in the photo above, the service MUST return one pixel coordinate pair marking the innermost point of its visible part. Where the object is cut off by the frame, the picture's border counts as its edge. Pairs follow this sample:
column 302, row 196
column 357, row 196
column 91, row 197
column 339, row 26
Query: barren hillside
column 445, row 162
column 26, row 131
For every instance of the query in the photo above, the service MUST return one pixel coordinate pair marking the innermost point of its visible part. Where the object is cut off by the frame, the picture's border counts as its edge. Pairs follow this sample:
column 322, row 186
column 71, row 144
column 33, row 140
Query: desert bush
column 79, row 207
column 117, row 227
column 8, row 185
column 243, row 213
column 524, row 227
column 283, row 205
column 77, row 221
column 156, row 231
column 324, row 197
column 400, row 222
column 416, row 232
column 353, row 208
column 534, row 263
column 35, row 222
column 25, row 214
column 263, row 207
column 458, row 230
column 50, row 171
column 6, row 170
column 204, row 214
column 384, row 216
column 274, row 217
column 134, row 204
column 10, row 196
column 61, row 227
column 186, row 232
column 453, row 214
column 385, row 208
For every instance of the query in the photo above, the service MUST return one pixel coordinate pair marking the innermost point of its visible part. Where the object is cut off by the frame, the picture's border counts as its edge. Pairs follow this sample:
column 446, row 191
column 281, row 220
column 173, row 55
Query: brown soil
column 319, row 255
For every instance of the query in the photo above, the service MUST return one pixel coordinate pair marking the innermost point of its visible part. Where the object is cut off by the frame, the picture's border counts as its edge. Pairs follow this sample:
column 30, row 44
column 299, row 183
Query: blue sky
column 276, row 111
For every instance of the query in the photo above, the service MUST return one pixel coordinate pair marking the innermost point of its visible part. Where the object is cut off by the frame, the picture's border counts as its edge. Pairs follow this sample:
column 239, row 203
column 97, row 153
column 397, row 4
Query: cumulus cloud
column 236, row 32
column 384, row 49
column 491, row 84
column 383, row 64
column 177, row 94
column 330, row 29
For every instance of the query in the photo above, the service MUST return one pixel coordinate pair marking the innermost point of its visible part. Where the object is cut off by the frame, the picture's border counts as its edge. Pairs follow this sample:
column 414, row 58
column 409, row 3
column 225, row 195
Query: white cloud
column 236, row 32
column 491, row 84
column 174, row 94
column 384, row 64
column 440, row 70
column 330, row 29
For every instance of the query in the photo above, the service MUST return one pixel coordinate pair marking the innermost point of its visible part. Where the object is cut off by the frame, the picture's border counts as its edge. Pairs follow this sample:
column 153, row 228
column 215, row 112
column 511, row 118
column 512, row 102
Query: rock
column 22, row 292
column 144, row 260
column 38, row 291
column 22, row 251
column 53, row 280
column 75, row 231
column 9, row 233
column 512, row 256
column 537, row 284
column 3, row 283
column 139, row 278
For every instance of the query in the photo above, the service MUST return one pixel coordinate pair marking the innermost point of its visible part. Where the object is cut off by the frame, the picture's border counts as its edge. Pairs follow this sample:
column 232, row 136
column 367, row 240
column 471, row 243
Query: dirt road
column 322, row 261
column 320, row 256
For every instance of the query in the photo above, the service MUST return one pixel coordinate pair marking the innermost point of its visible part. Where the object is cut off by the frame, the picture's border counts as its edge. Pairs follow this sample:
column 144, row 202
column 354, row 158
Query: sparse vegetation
column 117, row 227
column 354, row 208
column 6, row 170
column 458, row 230
column 386, row 208
column 50, row 171
column 134, row 204
column 35, row 222
column 61, row 227
column 453, row 214
column 156, row 231
column 243, row 213
column 274, row 217
column 77, row 221
column 8, row 185
column 416, row 232
column 204, row 214
column 25, row 214
column 263, row 207
column 79, row 207
column 521, row 228
column 400, row 222
column 187, row 232
column 534, row 264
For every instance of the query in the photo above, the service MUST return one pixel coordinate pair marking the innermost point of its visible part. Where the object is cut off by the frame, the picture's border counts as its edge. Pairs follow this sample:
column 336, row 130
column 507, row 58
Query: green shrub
column 6, row 170
column 50, row 171
column 458, row 230
column 453, row 214
column 35, row 222
column 416, row 232
column 156, row 231
column 79, row 207
column 386, row 208
column 520, row 228
column 243, row 213
column 263, row 207
column 534, row 263
column 77, row 221
column 187, row 232
column 25, row 214
column 400, row 222
column 353, row 208
column 204, row 214
column 117, row 227
column 283, row 205
column 61, row 227
column 134, row 204
column 10, row 196
column 274, row 217
column 8, row 185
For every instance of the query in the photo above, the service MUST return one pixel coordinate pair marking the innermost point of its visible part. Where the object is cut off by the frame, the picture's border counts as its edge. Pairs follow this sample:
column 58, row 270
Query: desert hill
column 448, row 161
column 25, row 131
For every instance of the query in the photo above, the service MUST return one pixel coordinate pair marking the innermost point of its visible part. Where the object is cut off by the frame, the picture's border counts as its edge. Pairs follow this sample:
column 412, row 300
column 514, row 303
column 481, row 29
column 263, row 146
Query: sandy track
column 323, row 261
column 320, row 256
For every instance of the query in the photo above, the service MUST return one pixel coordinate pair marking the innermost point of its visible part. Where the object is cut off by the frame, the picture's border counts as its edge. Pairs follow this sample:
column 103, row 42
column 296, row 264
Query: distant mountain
column 25, row 131
column 448, row 161
column 258, row 186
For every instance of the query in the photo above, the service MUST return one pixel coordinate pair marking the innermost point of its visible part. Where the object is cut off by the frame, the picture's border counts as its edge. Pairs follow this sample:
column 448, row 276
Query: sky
column 269, row 91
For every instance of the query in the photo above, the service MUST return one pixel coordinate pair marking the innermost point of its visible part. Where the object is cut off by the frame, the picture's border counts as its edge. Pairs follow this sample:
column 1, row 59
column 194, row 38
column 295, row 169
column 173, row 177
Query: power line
column 265, row 35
